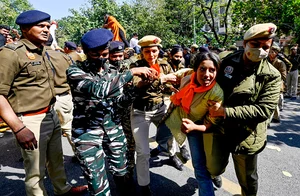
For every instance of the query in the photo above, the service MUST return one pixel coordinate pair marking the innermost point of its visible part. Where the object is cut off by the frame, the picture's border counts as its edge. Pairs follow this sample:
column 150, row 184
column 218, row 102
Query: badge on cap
column 155, row 41
column 120, row 47
column 228, row 70
column 30, row 55
column 271, row 30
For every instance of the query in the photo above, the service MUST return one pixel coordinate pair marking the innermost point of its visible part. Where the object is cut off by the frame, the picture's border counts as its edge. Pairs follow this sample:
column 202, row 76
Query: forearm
column 201, row 128
column 9, row 116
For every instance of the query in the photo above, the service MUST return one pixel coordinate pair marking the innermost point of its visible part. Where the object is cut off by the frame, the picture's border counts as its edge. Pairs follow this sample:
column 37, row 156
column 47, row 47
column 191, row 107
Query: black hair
column 207, row 56
column 2, row 26
column 175, row 50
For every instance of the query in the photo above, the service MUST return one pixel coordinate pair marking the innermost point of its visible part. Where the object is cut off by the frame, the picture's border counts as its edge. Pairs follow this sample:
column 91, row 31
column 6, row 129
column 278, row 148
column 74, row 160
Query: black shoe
column 275, row 120
column 176, row 162
column 125, row 185
column 146, row 191
column 154, row 152
column 185, row 153
column 217, row 180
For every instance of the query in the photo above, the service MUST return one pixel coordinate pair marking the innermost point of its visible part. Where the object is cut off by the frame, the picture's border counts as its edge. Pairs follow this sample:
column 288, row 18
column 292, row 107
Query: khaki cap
column 194, row 46
column 150, row 40
column 265, row 30
column 275, row 47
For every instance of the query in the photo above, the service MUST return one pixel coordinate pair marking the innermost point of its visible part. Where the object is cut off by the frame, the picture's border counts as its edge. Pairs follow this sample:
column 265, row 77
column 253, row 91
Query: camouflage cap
column 149, row 41
column 265, row 30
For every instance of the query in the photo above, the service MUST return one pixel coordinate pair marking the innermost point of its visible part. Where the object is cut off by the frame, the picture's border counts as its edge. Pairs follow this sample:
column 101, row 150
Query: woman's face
column 206, row 73
column 150, row 54
column 178, row 56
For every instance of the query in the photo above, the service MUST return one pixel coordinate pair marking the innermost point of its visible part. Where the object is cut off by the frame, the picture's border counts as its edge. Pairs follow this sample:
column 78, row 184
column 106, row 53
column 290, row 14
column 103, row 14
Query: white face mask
column 255, row 54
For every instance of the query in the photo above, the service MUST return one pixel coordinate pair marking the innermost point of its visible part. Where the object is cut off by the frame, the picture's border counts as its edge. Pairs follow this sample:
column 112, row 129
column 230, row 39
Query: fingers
column 211, row 103
column 34, row 142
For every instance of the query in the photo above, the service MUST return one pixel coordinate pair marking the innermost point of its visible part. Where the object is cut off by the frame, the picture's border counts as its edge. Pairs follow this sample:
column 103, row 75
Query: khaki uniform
column 148, row 107
column 63, row 105
column 27, row 82
column 75, row 56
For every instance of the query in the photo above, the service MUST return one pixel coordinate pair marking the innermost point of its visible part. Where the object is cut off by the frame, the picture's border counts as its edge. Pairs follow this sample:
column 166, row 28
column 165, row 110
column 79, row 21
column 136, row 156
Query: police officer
column 149, row 106
column 97, row 89
column 63, row 105
column 251, row 88
column 194, row 50
column 70, row 50
column 116, row 58
column 26, row 105
column 282, row 68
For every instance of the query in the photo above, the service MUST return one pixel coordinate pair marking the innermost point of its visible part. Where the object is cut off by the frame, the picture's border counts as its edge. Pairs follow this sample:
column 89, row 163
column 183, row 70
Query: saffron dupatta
column 185, row 96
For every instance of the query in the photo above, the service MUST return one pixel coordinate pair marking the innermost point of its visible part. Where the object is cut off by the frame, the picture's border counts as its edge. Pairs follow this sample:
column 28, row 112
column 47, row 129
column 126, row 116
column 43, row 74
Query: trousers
column 246, row 171
column 49, row 154
column 92, row 146
column 64, row 109
column 140, row 124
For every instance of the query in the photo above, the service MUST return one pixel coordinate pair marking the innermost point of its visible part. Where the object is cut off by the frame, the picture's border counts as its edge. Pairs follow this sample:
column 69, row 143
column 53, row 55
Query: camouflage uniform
column 126, row 124
column 98, row 98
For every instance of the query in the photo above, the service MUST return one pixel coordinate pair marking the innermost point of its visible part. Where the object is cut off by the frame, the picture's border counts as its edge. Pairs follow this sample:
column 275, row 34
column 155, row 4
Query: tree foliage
column 282, row 13
column 172, row 20
column 10, row 9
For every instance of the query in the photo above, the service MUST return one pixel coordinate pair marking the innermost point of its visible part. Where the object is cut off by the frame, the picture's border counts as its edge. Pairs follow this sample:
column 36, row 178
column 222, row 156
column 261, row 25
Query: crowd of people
column 104, row 97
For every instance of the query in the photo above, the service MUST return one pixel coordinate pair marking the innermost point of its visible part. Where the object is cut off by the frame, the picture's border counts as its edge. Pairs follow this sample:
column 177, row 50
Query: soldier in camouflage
column 116, row 58
column 98, row 96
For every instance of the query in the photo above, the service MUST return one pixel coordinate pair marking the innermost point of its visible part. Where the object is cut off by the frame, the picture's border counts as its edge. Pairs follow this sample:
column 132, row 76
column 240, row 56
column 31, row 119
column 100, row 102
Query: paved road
column 279, row 165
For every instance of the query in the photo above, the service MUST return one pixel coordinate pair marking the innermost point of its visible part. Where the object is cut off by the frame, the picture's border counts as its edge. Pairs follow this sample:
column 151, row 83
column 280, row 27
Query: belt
column 36, row 112
column 148, row 107
column 63, row 94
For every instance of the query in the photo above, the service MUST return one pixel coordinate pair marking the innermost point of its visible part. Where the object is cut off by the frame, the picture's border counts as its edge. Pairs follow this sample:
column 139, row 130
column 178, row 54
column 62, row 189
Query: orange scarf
column 156, row 67
column 185, row 96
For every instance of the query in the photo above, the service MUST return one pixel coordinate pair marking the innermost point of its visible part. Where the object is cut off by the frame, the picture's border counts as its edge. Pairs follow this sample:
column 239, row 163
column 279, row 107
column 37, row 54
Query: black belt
column 63, row 94
column 148, row 107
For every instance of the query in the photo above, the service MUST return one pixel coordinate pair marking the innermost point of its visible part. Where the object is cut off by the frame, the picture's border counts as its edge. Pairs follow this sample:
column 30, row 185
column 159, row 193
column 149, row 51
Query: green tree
column 10, row 9
column 282, row 13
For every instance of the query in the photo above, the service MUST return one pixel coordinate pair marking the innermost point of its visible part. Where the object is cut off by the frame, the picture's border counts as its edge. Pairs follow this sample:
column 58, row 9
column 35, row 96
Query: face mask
column 98, row 63
column 255, row 54
column 176, row 62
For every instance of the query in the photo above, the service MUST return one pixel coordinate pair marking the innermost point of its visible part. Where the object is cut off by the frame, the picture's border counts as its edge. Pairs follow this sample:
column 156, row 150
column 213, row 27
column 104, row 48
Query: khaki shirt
column 26, row 76
column 61, row 63
column 75, row 56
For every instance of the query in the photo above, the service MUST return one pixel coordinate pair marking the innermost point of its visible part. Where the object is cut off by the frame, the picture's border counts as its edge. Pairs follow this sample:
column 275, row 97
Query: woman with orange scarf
column 116, row 28
column 205, row 137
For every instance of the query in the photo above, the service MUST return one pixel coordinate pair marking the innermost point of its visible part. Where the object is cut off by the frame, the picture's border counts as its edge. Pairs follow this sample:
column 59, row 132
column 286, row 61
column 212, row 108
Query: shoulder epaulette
column 14, row 45
column 163, row 62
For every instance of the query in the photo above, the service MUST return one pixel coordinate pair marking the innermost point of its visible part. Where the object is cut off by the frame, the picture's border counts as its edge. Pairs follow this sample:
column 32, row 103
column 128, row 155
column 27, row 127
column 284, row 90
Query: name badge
column 36, row 63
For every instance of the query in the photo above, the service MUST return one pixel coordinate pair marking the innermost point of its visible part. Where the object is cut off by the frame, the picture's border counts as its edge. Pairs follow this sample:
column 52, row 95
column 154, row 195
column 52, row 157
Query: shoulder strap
column 14, row 45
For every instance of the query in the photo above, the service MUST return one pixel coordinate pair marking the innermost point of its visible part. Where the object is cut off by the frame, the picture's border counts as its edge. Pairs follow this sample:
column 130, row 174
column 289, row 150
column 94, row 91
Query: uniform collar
column 30, row 46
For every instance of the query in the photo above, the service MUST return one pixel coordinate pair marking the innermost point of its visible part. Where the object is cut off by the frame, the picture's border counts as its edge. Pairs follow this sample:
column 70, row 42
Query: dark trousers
column 122, row 35
column 246, row 172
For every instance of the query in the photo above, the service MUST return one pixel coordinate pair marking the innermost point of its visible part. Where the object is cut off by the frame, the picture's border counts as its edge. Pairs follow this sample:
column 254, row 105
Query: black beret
column 32, row 17
column 70, row 45
column 116, row 46
column 96, row 38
